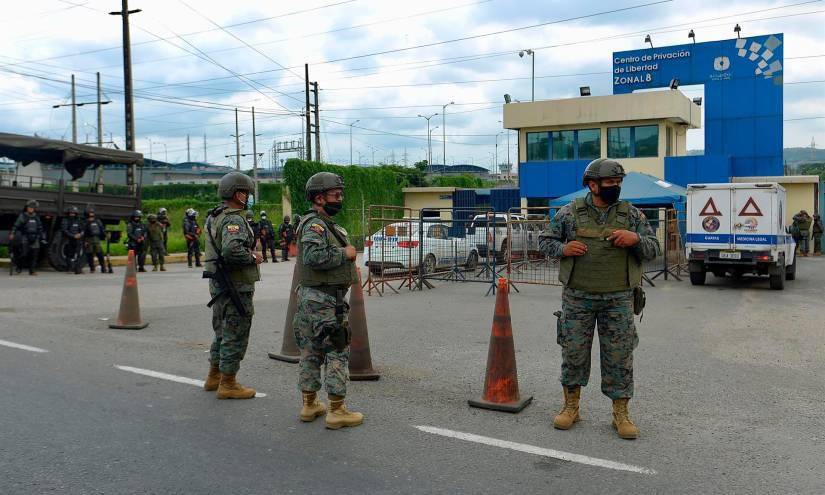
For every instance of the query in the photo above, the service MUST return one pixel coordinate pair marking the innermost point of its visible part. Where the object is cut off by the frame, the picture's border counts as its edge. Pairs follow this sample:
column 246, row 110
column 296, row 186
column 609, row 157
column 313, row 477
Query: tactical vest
column 138, row 230
column 344, row 275
column 73, row 225
column 241, row 274
column 32, row 227
column 94, row 228
column 604, row 267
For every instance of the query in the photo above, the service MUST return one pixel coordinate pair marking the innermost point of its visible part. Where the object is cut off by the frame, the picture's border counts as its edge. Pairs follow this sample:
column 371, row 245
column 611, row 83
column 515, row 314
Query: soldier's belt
column 331, row 290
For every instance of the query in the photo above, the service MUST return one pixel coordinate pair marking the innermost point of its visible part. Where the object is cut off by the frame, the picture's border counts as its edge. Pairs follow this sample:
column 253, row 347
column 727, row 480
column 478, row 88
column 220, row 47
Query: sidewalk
column 121, row 260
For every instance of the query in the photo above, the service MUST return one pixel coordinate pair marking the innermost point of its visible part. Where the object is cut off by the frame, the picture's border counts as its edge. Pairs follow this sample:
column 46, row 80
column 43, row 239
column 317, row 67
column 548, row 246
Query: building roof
column 670, row 105
column 433, row 189
column 640, row 189
column 781, row 179
column 456, row 169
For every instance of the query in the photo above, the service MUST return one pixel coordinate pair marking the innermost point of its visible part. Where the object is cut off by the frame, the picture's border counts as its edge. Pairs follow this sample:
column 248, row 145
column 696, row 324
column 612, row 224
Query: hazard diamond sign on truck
column 737, row 229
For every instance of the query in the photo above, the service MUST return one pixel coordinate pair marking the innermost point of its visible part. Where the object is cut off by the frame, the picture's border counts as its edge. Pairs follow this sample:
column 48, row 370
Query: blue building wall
column 550, row 179
column 684, row 170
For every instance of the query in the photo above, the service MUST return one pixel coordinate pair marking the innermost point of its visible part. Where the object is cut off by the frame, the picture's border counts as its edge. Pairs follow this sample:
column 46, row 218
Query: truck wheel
column 472, row 261
column 778, row 281
column 57, row 253
column 698, row 278
column 503, row 253
column 790, row 271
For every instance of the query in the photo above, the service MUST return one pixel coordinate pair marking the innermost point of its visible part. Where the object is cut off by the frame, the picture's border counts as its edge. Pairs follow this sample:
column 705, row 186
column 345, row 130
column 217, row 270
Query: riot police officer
column 256, row 229
column 29, row 233
column 94, row 233
column 602, row 243
column 71, row 227
column 136, row 238
column 232, row 270
column 165, row 224
column 267, row 237
column 326, row 270
column 286, row 234
column 192, row 233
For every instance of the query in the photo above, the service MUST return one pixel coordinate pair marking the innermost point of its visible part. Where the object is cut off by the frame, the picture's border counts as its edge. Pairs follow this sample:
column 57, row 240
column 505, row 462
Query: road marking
column 21, row 346
column 167, row 376
column 532, row 449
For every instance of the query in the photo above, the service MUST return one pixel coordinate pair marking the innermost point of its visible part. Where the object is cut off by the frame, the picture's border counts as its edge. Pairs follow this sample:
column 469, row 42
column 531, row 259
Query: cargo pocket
column 559, row 327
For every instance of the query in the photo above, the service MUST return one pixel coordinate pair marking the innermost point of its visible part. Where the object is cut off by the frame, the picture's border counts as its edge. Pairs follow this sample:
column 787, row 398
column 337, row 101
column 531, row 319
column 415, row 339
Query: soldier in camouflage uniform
column 156, row 242
column 602, row 243
column 229, row 238
column 94, row 232
column 326, row 270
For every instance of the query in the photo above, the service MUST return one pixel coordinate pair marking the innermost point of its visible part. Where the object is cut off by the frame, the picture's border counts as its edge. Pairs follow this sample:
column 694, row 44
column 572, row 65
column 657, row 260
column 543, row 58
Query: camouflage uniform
column 94, row 233
column 232, row 234
column 612, row 311
column 155, row 235
column 317, row 330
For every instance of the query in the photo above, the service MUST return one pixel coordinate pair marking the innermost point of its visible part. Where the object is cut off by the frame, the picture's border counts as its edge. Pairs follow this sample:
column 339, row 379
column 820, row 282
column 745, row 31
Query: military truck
column 54, row 196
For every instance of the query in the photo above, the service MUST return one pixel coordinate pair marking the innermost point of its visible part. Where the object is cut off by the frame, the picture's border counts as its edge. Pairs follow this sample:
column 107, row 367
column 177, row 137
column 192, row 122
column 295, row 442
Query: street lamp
column 165, row 152
column 150, row 148
column 509, row 164
column 430, row 141
column 496, row 164
column 350, row 140
column 429, row 148
column 533, row 77
column 444, row 132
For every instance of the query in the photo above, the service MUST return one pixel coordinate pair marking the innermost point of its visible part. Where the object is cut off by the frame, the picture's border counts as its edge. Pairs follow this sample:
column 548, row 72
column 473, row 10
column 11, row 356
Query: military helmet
column 162, row 211
column 234, row 182
column 286, row 218
column 263, row 213
column 321, row 183
column 250, row 215
column 72, row 209
column 602, row 168
column 152, row 216
column 190, row 212
column 32, row 203
column 137, row 213
column 90, row 210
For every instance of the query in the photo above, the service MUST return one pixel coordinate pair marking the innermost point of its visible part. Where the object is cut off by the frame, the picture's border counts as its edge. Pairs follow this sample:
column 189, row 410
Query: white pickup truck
column 737, row 229
column 490, row 233
column 398, row 247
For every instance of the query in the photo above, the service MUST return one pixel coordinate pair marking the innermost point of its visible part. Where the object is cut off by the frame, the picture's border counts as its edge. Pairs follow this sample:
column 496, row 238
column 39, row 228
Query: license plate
column 730, row 255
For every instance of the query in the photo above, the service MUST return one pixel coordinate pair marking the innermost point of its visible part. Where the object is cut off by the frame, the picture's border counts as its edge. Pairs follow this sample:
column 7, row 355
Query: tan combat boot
column 213, row 379
column 621, row 420
column 230, row 389
column 338, row 415
column 312, row 408
column 569, row 413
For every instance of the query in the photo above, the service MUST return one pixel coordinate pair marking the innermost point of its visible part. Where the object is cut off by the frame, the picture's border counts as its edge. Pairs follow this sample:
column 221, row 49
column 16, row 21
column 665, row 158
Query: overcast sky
column 189, row 73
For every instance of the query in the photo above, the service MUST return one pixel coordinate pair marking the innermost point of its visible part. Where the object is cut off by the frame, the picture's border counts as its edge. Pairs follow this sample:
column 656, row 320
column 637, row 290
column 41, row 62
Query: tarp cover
column 641, row 190
column 76, row 158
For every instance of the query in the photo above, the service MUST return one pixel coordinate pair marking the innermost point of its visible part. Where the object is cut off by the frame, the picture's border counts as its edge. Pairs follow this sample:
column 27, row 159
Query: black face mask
column 610, row 194
column 332, row 209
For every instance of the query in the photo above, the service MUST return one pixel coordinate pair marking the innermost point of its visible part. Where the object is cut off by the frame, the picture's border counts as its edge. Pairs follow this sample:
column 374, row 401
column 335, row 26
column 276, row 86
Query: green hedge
column 269, row 192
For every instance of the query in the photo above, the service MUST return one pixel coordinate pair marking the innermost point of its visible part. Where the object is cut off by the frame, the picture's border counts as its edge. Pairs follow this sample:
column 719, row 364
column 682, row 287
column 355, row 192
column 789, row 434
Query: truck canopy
column 76, row 158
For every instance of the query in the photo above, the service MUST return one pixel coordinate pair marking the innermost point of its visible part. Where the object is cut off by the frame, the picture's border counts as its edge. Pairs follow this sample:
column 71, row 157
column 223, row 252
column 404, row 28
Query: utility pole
column 255, row 156
column 404, row 159
column 444, row 132
column 317, row 125
column 308, row 121
column 99, row 114
column 429, row 144
column 237, row 137
column 204, row 149
column 188, row 155
column 350, row 140
column 127, row 90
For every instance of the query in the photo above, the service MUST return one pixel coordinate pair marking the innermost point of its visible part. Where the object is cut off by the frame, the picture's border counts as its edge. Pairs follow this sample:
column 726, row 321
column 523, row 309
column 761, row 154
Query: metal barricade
column 526, row 264
column 389, row 248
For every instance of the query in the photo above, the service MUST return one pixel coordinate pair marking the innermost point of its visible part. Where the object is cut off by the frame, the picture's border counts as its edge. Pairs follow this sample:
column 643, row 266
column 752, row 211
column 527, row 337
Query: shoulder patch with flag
column 233, row 228
column 317, row 228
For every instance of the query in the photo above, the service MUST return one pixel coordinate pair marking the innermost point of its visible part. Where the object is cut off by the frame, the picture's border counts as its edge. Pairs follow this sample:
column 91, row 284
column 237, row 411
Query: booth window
column 618, row 142
column 538, row 146
column 589, row 144
column 563, row 145
column 633, row 142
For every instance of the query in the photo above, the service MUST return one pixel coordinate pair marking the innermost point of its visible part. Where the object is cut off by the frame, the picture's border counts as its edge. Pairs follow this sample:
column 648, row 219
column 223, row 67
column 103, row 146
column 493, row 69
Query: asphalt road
column 729, row 395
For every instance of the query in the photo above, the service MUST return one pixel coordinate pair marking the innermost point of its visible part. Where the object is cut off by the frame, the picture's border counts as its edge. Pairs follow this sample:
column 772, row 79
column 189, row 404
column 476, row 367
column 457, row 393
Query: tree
column 422, row 165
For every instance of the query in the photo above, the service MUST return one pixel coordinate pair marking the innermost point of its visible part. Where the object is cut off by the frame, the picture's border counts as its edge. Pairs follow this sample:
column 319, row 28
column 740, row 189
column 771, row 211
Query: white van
column 734, row 229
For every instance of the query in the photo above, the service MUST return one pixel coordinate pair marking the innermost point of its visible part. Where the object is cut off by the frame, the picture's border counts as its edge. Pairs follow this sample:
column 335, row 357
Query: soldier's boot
column 569, row 413
column 213, row 379
column 312, row 408
column 155, row 267
column 230, row 389
column 162, row 268
column 338, row 415
column 621, row 420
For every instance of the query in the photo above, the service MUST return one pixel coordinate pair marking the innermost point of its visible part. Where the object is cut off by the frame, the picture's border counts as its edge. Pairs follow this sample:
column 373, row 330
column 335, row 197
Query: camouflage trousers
column 613, row 313
column 231, row 332
column 157, row 251
column 313, row 323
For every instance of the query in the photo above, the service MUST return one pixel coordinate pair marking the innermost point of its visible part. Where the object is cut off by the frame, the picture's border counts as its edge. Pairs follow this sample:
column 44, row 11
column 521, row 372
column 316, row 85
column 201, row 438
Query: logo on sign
column 710, row 209
column 710, row 224
column 721, row 64
column 750, row 224
column 750, row 209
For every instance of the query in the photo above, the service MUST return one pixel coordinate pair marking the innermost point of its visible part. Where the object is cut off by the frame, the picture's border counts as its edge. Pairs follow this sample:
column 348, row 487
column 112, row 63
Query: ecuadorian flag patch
column 233, row 228
column 317, row 228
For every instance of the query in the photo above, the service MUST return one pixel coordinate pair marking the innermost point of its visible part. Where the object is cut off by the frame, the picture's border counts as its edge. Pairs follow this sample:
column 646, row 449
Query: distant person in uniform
column 192, row 234
column 155, row 235
column 71, row 228
column 326, row 270
column 802, row 225
column 94, row 233
column 166, row 224
column 256, row 229
column 286, row 234
column 29, row 233
column 136, row 238
column 817, row 232
column 602, row 243
column 267, row 231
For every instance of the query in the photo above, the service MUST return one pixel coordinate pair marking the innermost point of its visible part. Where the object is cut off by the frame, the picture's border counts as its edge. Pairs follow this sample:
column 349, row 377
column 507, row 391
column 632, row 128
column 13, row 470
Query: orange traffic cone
column 501, row 383
column 289, row 348
column 129, row 315
column 360, row 360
